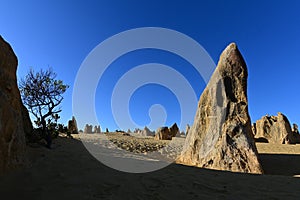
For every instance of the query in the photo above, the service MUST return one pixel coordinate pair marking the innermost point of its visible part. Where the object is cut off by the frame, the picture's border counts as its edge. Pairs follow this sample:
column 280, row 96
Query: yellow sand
column 278, row 148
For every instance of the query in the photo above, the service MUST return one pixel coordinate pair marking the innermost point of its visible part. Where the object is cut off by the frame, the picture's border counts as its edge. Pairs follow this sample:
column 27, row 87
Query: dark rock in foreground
column 13, row 116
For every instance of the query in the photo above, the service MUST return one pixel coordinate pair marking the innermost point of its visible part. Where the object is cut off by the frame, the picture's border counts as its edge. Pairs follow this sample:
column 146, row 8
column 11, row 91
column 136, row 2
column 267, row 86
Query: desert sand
column 69, row 171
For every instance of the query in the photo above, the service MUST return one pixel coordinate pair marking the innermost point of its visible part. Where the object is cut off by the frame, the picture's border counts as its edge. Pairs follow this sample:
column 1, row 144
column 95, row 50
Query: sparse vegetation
column 42, row 94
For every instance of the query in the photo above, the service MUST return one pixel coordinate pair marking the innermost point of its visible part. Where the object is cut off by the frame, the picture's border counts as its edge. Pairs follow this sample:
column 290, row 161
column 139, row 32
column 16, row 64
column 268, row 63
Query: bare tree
column 42, row 94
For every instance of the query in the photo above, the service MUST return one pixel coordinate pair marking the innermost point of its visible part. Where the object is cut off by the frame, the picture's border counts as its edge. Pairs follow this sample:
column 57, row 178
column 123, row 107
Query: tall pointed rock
column 221, row 136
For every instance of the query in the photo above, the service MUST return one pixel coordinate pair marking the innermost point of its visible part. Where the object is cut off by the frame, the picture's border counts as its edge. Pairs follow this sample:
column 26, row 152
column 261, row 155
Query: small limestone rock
column 72, row 126
column 147, row 132
column 174, row 130
column 88, row 128
column 143, row 133
column 276, row 130
column 165, row 133
column 97, row 129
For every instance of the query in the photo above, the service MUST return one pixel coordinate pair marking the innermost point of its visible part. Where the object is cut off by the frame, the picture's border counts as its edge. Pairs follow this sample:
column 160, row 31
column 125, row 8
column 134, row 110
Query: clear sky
column 61, row 34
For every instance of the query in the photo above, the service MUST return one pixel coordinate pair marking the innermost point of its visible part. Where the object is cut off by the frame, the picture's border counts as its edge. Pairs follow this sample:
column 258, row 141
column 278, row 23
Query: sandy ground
column 69, row 171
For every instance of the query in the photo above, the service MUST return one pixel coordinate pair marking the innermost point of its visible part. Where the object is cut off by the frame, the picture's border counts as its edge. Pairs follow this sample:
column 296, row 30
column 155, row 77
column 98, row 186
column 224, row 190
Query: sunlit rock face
column 221, row 137
column 276, row 130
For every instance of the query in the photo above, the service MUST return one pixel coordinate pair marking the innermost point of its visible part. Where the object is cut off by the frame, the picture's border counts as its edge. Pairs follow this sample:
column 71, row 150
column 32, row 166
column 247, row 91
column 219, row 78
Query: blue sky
column 61, row 34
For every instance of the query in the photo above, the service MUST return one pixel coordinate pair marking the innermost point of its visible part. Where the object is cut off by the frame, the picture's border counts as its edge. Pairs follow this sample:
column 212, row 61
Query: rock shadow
column 280, row 164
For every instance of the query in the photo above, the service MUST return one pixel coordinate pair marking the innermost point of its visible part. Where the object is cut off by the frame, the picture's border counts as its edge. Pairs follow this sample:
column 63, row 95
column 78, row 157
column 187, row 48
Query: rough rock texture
column 276, row 129
column 12, row 136
column 162, row 133
column 88, row 129
column 221, row 136
column 72, row 126
column 165, row 133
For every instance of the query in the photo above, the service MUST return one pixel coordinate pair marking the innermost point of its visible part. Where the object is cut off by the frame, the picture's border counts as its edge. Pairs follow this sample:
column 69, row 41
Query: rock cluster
column 97, row 129
column 89, row 129
column 14, row 119
column 276, row 130
column 162, row 133
column 165, row 133
column 136, row 131
column 143, row 133
column 72, row 126
column 147, row 132
column 221, row 137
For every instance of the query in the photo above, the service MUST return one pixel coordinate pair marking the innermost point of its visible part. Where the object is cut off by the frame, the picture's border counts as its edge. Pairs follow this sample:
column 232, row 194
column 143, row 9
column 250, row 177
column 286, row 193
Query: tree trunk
column 46, row 134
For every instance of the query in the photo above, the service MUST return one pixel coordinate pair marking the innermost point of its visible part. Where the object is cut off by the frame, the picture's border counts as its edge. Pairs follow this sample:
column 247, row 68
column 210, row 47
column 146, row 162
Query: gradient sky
column 61, row 34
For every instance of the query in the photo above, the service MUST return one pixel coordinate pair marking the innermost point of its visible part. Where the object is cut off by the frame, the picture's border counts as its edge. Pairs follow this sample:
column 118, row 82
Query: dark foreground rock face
column 12, row 119
column 221, row 137
column 276, row 130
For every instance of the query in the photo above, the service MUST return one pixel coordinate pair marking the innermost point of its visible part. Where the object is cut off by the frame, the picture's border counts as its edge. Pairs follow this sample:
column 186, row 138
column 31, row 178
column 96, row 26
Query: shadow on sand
column 70, row 172
column 280, row 164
